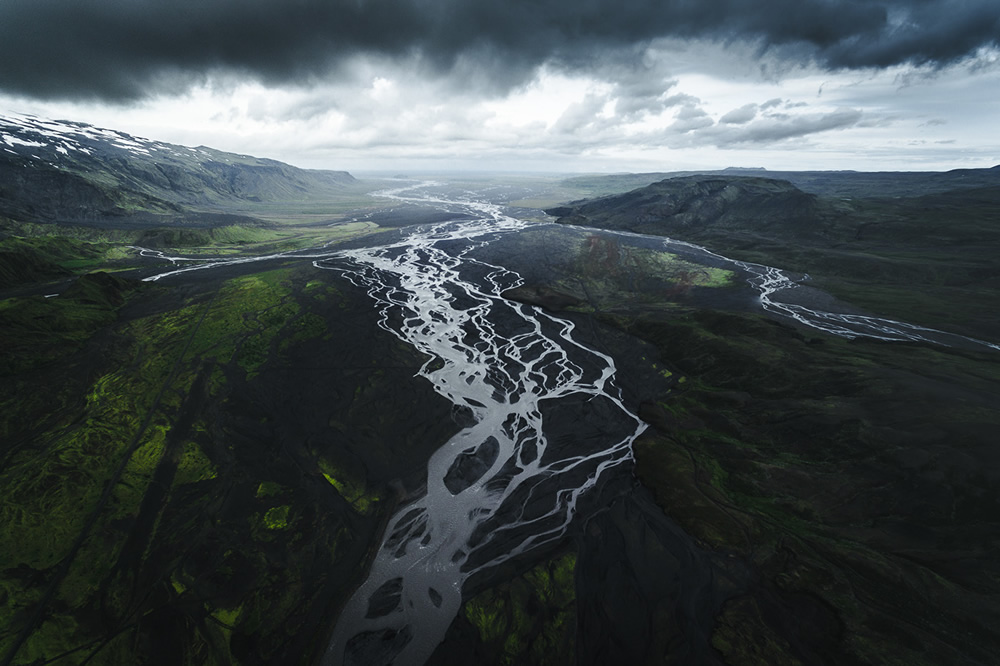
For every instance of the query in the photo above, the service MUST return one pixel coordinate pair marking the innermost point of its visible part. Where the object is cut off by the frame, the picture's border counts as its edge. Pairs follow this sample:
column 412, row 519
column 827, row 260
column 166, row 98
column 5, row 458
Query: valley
column 234, row 431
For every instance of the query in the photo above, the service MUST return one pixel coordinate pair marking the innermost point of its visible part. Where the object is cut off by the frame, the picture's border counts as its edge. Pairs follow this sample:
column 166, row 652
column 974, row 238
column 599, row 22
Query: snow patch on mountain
column 63, row 136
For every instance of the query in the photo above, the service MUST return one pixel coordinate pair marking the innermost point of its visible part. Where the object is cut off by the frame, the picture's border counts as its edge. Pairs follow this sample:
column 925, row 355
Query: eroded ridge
column 545, row 421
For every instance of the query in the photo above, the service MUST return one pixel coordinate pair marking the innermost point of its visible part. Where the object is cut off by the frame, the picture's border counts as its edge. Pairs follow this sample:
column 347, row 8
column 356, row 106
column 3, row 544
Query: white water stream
column 545, row 419
column 771, row 281
column 499, row 487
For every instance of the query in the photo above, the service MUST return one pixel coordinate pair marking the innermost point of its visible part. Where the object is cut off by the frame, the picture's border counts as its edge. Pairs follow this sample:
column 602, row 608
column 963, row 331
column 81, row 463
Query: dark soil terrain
column 851, row 483
column 927, row 258
column 196, row 470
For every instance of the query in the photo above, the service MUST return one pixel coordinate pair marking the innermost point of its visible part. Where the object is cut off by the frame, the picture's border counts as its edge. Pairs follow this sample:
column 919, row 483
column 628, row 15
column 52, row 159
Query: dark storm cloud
column 127, row 49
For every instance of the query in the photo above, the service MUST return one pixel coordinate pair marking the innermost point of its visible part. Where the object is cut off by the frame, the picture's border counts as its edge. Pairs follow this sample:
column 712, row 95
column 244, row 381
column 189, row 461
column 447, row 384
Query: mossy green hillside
column 65, row 478
column 350, row 485
column 123, row 492
column 591, row 273
column 31, row 253
column 189, row 238
column 31, row 259
column 608, row 257
column 42, row 330
column 927, row 257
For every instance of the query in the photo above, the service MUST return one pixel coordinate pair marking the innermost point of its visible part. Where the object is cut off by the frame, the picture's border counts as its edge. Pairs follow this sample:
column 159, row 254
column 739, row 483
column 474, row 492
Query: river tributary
column 544, row 419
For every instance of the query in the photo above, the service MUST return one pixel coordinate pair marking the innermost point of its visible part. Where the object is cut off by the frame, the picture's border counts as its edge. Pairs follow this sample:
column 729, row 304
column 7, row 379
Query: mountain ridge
column 845, row 184
column 72, row 172
column 702, row 204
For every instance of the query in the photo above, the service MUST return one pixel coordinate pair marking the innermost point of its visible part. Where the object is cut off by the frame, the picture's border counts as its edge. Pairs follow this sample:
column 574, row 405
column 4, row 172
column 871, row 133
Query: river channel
column 543, row 417
column 545, row 421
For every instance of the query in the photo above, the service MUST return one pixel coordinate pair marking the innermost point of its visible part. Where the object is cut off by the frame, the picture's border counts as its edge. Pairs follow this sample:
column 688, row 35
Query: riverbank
column 841, row 492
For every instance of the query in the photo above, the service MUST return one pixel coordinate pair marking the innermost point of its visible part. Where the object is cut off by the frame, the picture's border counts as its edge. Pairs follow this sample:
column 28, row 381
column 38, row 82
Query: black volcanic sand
column 198, row 470
column 257, row 439
column 819, row 500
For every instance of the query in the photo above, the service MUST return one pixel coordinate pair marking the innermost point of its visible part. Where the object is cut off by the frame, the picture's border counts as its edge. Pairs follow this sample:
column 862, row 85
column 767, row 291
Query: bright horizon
column 542, row 88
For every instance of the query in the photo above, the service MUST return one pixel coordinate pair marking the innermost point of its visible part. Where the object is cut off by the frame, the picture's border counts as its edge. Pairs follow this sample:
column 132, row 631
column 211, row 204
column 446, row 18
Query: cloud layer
column 124, row 50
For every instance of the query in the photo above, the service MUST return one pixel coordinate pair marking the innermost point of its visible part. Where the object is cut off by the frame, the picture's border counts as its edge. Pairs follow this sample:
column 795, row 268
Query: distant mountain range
column 843, row 184
column 71, row 172
column 954, row 207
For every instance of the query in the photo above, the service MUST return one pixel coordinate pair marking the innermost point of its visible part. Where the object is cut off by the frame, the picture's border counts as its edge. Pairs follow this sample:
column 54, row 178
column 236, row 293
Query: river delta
column 491, row 437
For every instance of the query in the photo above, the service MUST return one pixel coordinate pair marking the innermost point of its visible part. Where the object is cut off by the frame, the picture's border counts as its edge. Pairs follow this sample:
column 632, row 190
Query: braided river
column 543, row 417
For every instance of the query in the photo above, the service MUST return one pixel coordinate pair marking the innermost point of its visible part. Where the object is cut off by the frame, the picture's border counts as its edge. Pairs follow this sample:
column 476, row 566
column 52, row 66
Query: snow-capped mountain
column 63, row 171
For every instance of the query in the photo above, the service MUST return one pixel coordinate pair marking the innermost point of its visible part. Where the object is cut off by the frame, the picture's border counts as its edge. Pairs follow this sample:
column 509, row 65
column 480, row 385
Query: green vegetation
column 276, row 518
column 351, row 488
column 927, row 258
column 128, row 513
column 198, row 469
column 636, row 270
column 530, row 619
column 215, row 240
column 236, row 239
column 600, row 273
column 846, row 479
column 33, row 259
column 269, row 489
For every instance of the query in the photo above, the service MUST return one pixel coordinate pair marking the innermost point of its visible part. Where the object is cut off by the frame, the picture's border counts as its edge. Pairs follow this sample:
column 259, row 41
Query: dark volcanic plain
column 196, row 470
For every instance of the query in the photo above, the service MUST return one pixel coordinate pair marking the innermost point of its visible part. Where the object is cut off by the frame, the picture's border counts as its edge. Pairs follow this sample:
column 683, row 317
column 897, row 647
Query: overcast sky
column 553, row 85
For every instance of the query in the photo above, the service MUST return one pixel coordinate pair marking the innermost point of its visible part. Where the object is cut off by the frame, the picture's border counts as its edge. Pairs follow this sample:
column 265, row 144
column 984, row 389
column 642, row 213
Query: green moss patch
column 31, row 259
column 531, row 619
column 353, row 489
column 276, row 518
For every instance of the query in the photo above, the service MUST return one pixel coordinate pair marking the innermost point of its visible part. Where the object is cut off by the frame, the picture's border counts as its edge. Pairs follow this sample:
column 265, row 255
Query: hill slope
column 928, row 259
column 699, row 206
column 60, row 171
